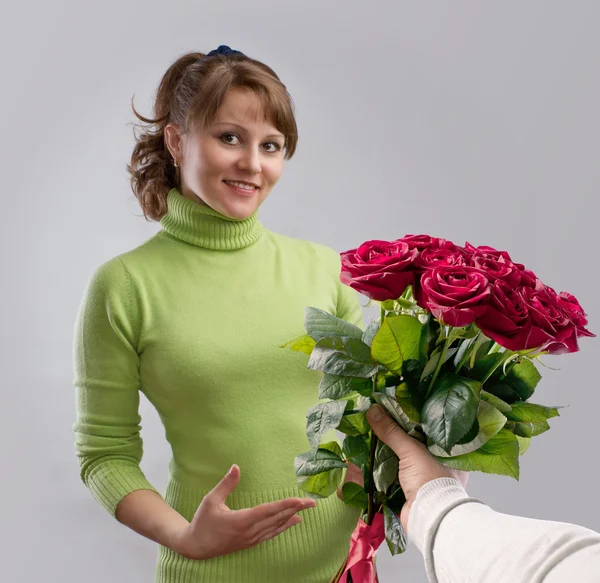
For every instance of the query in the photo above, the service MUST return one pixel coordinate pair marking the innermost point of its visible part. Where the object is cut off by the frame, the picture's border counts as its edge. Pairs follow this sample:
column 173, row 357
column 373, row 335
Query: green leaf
column 327, row 457
column 385, row 471
column 500, row 455
column 395, row 411
column 532, row 413
column 320, row 324
column 388, row 305
column 405, row 399
column 449, row 412
column 524, row 443
column 485, row 367
column 355, row 495
column 539, row 428
column 396, row 501
column 490, row 422
column 394, row 533
column 303, row 344
column 519, row 429
column 502, row 390
column 426, row 337
column 321, row 485
column 348, row 357
column 370, row 332
column 322, row 418
column 501, row 405
column 319, row 473
column 397, row 340
column 465, row 346
column 467, row 332
column 523, row 377
column 356, row 449
column 411, row 373
column 336, row 386
column 431, row 365
column 469, row 436
column 354, row 424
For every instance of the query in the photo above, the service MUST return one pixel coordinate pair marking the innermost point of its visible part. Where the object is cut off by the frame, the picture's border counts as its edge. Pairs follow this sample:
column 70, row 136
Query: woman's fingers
column 270, row 509
column 281, row 528
column 274, row 522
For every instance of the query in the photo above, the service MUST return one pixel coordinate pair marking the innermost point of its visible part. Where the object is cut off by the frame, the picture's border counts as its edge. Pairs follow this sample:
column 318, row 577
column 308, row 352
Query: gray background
column 468, row 120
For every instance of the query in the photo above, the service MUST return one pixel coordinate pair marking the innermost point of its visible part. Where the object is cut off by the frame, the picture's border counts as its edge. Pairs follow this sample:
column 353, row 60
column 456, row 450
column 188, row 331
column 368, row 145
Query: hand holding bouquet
column 450, row 359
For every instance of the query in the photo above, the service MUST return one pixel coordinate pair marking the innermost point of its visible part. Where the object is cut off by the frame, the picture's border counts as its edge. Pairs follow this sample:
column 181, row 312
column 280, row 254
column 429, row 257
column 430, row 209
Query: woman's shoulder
column 116, row 271
column 323, row 252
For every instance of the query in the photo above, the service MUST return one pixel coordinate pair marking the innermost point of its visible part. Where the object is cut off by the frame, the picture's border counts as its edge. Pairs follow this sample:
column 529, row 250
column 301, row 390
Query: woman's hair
column 189, row 95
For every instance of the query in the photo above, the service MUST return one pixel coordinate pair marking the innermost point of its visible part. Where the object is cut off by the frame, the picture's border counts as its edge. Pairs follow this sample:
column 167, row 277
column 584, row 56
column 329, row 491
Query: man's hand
column 417, row 465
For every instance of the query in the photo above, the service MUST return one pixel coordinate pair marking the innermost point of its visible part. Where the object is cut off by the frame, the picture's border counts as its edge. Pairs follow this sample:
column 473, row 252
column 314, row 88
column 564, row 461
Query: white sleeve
column 464, row 541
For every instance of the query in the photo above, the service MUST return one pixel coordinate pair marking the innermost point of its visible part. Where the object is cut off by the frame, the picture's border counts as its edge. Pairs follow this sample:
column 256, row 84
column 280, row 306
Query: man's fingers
column 388, row 430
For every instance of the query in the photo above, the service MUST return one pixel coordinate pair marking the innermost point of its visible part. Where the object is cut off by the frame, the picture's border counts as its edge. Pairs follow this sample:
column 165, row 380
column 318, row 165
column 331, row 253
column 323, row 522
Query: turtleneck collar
column 202, row 226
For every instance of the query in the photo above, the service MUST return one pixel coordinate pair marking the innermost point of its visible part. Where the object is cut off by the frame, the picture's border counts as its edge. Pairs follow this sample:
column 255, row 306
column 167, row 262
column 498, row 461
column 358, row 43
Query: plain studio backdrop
column 466, row 120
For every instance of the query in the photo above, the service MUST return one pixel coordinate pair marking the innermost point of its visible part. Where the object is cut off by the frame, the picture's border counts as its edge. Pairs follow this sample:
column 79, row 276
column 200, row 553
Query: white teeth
column 241, row 185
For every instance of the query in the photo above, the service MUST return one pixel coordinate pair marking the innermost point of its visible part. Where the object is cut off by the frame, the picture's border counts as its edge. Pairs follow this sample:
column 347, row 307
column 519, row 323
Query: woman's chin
column 238, row 210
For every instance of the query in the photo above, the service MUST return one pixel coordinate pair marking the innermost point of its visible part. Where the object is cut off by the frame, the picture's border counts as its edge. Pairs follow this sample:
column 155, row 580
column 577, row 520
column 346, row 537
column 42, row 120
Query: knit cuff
column 434, row 500
column 110, row 481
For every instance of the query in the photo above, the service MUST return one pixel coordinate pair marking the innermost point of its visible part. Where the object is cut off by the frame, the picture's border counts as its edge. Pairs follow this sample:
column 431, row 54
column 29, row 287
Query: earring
column 175, row 163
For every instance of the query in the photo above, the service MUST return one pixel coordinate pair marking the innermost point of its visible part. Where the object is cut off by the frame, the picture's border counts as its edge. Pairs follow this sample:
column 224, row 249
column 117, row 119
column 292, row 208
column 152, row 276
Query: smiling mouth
column 243, row 185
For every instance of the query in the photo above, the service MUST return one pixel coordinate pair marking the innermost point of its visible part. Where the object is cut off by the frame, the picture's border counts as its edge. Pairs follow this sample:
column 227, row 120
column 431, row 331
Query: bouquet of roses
column 450, row 359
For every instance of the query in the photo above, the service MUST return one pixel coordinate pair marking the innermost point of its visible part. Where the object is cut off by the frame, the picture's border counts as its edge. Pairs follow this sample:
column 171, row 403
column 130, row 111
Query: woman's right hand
column 217, row 530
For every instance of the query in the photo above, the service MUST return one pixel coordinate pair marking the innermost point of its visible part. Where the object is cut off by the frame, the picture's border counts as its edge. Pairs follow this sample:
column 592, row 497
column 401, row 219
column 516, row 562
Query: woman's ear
column 173, row 141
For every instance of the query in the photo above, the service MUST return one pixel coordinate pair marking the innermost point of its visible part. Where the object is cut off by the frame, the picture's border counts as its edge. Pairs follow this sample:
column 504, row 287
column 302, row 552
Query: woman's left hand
column 353, row 474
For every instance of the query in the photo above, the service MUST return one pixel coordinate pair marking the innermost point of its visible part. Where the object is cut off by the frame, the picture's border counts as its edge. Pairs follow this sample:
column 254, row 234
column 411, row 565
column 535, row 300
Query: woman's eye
column 229, row 138
column 273, row 146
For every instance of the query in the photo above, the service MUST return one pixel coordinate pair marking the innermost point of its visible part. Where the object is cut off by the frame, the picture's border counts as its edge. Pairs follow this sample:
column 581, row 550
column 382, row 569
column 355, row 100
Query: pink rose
column 499, row 265
column 574, row 312
column 497, row 269
column 434, row 256
column 507, row 319
column 381, row 270
column 549, row 320
column 422, row 242
column 454, row 294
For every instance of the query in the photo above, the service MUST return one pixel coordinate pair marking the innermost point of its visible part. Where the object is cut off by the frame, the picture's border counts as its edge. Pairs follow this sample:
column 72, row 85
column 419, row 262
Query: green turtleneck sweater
column 194, row 318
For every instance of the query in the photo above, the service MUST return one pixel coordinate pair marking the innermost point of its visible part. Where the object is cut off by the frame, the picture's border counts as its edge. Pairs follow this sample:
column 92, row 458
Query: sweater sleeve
column 458, row 535
column 106, row 369
column 347, row 303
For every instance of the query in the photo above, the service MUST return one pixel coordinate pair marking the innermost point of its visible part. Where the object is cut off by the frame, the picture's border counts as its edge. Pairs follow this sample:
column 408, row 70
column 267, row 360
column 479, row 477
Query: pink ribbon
column 364, row 543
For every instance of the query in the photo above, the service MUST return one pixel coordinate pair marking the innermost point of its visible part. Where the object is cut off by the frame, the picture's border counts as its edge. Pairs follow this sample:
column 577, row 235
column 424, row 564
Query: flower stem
column 371, row 508
column 447, row 343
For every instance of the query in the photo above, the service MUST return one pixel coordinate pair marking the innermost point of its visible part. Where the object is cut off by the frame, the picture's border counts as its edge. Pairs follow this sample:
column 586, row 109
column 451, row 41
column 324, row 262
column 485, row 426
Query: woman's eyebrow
column 230, row 123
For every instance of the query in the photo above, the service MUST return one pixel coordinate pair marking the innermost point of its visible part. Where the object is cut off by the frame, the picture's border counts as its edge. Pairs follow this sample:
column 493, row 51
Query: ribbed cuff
column 110, row 481
column 434, row 500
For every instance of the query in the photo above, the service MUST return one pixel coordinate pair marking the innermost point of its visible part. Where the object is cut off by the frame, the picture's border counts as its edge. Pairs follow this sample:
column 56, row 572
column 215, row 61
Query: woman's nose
column 250, row 161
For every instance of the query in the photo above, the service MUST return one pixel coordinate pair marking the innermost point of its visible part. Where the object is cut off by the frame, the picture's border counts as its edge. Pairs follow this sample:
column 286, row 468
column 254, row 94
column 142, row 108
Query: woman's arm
column 148, row 514
column 109, row 445
column 107, row 383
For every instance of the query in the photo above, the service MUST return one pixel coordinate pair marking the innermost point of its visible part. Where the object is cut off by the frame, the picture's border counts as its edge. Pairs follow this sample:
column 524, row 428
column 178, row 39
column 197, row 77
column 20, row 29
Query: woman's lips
column 242, row 191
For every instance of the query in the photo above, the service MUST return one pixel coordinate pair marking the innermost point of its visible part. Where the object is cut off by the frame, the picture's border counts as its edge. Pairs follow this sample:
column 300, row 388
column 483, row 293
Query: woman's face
column 232, row 165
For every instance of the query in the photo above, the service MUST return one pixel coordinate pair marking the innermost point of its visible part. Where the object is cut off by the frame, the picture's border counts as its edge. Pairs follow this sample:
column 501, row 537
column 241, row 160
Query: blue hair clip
column 223, row 50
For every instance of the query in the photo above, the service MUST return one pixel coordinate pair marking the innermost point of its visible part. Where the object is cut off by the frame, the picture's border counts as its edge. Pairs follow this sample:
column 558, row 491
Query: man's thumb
column 388, row 430
column 226, row 485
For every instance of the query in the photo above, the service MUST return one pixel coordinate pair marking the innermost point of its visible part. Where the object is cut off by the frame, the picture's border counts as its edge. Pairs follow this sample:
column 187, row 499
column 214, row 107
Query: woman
column 194, row 318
